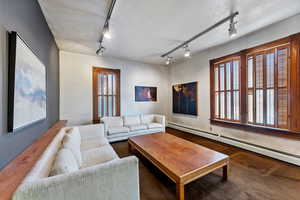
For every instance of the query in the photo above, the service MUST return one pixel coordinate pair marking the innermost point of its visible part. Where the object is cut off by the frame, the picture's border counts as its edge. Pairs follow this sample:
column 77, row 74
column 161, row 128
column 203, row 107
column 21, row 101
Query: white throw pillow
column 65, row 162
column 72, row 141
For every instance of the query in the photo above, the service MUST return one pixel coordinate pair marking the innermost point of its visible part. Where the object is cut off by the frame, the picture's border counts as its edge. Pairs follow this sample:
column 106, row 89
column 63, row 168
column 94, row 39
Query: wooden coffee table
column 182, row 161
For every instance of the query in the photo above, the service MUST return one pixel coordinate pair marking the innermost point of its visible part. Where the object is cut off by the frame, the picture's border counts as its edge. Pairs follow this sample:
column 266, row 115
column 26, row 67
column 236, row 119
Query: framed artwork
column 26, row 85
column 185, row 98
column 144, row 93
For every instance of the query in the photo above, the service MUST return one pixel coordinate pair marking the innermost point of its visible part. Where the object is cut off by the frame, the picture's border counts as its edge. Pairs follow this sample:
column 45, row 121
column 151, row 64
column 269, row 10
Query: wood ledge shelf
column 13, row 174
column 257, row 129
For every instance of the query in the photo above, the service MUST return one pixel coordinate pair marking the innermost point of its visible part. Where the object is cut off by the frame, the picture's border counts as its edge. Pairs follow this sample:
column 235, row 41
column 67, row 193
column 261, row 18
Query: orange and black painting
column 144, row 93
column 185, row 98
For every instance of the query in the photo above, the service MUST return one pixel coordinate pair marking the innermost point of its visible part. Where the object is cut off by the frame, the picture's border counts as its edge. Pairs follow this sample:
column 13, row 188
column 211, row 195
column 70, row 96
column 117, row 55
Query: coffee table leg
column 129, row 148
column 180, row 191
column 225, row 172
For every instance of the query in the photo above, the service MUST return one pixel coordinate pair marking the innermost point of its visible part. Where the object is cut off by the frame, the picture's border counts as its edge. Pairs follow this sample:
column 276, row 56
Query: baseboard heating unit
column 283, row 156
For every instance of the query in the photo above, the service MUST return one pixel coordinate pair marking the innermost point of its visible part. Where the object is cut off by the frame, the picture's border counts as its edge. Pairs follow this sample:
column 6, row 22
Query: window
column 106, row 93
column 268, row 94
column 227, row 90
column 257, row 89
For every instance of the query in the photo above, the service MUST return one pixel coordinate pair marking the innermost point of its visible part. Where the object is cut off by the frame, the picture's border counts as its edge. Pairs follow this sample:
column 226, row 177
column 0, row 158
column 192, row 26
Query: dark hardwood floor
column 251, row 177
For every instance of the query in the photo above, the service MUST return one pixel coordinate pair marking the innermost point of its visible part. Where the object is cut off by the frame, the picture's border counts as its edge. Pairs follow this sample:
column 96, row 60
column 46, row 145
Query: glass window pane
column 104, row 84
column 217, row 104
column 270, row 107
column 228, row 76
column 250, row 106
column 259, row 107
column 110, row 106
column 222, row 105
column 250, row 72
column 259, row 71
column 222, row 78
column 114, row 106
column 236, row 105
column 114, row 84
column 282, row 67
column 236, row 75
column 270, row 69
column 104, row 105
column 110, row 84
column 100, row 83
column 100, row 106
column 216, row 78
column 228, row 98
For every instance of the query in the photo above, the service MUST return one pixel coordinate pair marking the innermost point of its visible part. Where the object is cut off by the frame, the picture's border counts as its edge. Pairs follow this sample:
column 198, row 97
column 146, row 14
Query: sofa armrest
column 160, row 119
column 117, row 179
column 91, row 131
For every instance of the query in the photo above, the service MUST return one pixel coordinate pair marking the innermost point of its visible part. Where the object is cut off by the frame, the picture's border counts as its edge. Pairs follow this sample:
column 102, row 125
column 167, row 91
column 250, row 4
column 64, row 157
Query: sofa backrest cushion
column 43, row 166
column 65, row 162
column 113, row 121
column 132, row 120
column 72, row 141
column 147, row 119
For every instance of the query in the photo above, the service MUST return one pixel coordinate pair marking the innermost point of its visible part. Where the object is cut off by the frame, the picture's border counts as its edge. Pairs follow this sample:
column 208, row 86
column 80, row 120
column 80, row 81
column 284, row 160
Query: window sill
column 257, row 129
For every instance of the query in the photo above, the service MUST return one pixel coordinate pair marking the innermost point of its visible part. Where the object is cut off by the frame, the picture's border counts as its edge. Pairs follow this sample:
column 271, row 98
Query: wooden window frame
column 225, row 90
column 293, row 128
column 96, row 71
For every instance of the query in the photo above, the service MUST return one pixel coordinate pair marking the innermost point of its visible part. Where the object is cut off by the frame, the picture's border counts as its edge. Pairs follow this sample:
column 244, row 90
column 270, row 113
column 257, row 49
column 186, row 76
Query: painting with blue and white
column 30, row 87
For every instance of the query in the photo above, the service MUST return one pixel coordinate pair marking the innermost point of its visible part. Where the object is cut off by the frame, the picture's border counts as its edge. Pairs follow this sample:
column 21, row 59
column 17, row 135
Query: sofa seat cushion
column 132, row 120
column 98, row 155
column 117, row 129
column 137, row 127
column 154, row 125
column 65, row 162
column 92, row 143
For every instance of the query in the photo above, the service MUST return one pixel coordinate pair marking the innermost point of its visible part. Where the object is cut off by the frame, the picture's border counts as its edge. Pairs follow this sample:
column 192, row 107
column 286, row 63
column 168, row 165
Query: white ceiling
column 142, row 30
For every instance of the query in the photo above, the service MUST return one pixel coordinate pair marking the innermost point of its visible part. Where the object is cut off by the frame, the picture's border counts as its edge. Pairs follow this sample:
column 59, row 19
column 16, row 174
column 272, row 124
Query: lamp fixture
column 187, row 51
column 168, row 61
column 232, row 32
column 232, row 28
column 106, row 32
column 100, row 50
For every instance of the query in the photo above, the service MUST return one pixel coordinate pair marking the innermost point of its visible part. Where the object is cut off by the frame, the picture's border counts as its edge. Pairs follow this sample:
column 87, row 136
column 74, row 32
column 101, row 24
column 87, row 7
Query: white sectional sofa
column 120, row 128
column 80, row 164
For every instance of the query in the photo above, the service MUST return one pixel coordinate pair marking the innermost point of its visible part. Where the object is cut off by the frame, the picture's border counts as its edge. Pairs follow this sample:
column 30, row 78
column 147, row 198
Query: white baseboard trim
column 286, row 157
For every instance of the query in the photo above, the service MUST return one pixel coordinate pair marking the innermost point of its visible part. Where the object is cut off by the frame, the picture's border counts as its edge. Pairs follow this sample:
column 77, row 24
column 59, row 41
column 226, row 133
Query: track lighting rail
column 106, row 23
column 230, row 17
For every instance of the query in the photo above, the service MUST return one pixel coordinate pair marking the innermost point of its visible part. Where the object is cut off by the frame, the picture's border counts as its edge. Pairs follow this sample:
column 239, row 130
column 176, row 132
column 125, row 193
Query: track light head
column 101, row 50
column 168, row 61
column 187, row 51
column 106, row 32
column 232, row 28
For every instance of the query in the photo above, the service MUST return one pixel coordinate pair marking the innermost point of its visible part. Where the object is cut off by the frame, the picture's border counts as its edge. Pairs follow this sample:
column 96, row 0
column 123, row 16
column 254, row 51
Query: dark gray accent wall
column 26, row 18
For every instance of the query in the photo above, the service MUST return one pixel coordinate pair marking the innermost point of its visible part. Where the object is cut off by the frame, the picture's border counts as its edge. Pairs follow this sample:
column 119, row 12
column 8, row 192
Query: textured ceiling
column 143, row 30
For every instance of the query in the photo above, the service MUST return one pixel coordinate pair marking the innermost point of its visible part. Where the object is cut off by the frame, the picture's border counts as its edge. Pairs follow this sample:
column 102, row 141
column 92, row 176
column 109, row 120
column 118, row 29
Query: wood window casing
column 106, row 93
column 286, row 110
column 227, row 89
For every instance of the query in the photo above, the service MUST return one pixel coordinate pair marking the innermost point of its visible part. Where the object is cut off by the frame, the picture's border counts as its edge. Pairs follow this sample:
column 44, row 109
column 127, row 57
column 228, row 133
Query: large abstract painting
column 27, row 85
column 143, row 93
column 185, row 98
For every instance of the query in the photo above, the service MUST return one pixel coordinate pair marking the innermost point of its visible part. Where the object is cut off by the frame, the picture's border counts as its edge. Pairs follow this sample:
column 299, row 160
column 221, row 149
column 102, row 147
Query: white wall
column 76, row 86
column 197, row 69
